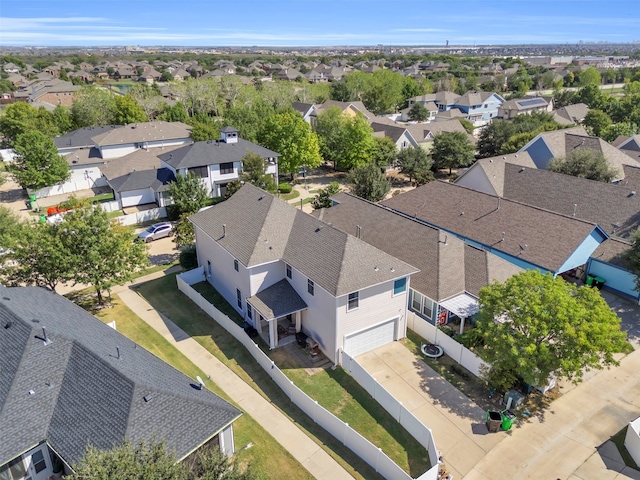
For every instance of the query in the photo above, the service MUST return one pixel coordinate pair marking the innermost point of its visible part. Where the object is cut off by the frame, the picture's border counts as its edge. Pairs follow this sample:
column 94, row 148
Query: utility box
column 516, row 398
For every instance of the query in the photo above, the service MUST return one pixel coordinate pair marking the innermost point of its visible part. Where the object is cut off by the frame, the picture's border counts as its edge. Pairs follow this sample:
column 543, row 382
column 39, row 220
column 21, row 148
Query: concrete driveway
column 568, row 442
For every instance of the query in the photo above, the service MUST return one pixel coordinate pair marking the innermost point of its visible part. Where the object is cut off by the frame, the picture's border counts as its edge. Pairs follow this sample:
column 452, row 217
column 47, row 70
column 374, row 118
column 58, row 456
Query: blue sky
column 315, row 22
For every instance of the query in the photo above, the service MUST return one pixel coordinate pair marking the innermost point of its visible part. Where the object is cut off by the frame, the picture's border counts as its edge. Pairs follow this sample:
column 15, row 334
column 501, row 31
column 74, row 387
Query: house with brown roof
column 571, row 114
column 523, row 106
column 629, row 145
column 287, row 272
column 452, row 271
column 527, row 236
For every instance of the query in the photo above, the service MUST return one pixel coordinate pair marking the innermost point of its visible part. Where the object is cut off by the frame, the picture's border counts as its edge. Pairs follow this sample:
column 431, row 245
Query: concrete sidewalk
column 318, row 462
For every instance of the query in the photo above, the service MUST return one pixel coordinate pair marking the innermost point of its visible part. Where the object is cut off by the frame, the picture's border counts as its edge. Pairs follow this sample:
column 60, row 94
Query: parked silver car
column 156, row 231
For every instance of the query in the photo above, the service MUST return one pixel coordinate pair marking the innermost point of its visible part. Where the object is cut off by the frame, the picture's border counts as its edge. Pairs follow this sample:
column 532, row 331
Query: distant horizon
column 316, row 23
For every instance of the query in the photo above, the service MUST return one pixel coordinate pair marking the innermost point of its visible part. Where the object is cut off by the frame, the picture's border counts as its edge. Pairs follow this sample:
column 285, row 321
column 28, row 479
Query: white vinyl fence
column 144, row 216
column 453, row 349
column 362, row 447
column 632, row 440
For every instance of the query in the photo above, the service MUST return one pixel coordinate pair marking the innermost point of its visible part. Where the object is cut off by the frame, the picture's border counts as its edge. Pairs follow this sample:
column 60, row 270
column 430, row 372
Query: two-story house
column 217, row 162
column 286, row 271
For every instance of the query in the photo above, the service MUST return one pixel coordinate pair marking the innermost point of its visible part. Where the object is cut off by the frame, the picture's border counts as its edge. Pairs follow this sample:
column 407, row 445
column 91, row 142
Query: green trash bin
column 32, row 198
column 43, row 218
column 589, row 280
column 507, row 419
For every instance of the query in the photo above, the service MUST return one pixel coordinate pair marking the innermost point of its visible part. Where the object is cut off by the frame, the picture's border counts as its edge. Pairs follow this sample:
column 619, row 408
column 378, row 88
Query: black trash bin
column 494, row 420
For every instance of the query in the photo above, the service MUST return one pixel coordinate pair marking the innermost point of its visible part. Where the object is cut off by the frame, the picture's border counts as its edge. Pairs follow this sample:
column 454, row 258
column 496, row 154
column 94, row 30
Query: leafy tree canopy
column 20, row 117
column 323, row 197
column 37, row 163
column 368, row 181
column 93, row 106
column 416, row 164
column 418, row 112
column 452, row 150
column 254, row 171
column 384, row 152
column 128, row 111
column 534, row 325
column 584, row 163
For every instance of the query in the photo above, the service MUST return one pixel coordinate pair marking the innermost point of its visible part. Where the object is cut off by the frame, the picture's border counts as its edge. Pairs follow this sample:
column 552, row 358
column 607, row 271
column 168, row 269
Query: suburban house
column 427, row 101
column 307, row 111
column 88, row 150
column 217, row 162
column 69, row 381
column 477, row 107
column 350, row 109
column 452, row 271
column 559, row 143
column 527, row 236
column 488, row 174
column 143, row 187
column 51, row 91
column 399, row 134
column 629, row 145
column 615, row 208
column 287, row 272
column 510, row 109
column 571, row 114
column 424, row 133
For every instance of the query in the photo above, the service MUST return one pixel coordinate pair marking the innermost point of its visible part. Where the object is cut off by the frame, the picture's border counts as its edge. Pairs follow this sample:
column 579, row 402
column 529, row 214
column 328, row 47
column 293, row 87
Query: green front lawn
column 334, row 389
column 165, row 297
column 267, row 457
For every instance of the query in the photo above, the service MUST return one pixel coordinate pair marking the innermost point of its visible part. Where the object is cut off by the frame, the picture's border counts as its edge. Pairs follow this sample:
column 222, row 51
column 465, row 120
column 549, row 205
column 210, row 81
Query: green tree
column 189, row 195
column 589, row 76
column 416, row 164
column 452, row 150
column 290, row 136
column 323, row 197
column 345, row 141
column 584, row 163
column 467, row 125
column 632, row 257
column 254, row 171
column 20, row 117
column 612, row 132
column 37, row 163
column 93, row 106
column 166, row 76
column 202, row 132
column 38, row 257
column 384, row 152
column 418, row 112
column 101, row 252
column 368, row 182
column 597, row 121
column 128, row 111
column 62, row 119
column 535, row 325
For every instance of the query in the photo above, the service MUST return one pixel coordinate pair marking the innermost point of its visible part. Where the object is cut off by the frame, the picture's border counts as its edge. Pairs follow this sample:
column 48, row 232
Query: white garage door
column 137, row 197
column 371, row 338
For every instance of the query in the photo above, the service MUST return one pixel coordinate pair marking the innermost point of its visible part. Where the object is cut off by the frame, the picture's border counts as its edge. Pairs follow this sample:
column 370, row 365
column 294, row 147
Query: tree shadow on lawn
column 164, row 296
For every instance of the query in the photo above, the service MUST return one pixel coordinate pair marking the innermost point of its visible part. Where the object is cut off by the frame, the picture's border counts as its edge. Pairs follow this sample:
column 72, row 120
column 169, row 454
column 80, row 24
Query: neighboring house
column 79, row 138
column 218, row 162
column 400, row 135
column 477, row 107
column 529, row 237
column 128, row 138
column 424, row 133
column 629, row 146
column 523, row 106
column 51, row 91
column 571, row 114
column 142, row 187
column 285, row 271
column 559, row 143
column 350, row 109
column 307, row 111
column 488, row 174
column 429, row 104
column 451, row 270
column 69, row 381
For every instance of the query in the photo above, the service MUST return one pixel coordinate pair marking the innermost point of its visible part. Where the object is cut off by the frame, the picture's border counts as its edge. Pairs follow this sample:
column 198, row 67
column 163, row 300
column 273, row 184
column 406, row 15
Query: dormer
column 229, row 135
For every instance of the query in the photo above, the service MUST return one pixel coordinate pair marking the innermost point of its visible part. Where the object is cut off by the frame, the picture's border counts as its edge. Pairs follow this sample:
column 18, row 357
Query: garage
column 137, row 197
column 370, row 338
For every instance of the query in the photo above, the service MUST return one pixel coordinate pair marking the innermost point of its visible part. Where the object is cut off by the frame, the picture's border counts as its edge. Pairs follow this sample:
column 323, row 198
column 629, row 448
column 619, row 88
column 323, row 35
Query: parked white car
column 156, row 231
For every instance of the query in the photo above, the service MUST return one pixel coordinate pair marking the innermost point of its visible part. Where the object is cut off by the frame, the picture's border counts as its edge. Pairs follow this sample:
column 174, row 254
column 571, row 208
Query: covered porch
column 277, row 313
column 461, row 306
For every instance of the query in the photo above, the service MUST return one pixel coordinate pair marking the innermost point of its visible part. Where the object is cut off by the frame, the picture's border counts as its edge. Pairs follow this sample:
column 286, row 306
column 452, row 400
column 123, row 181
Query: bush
column 285, row 188
column 188, row 257
column 173, row 213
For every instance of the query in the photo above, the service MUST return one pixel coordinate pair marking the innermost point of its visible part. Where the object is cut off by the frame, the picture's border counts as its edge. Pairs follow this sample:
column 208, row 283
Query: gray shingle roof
column 261, row 228
column 157, row 180
column 550, row 238
column 141, row 159
column 493, row 169
column 213, row 152
column 82, row 137
column 597, row 202
column 143, row 132
column 447, row 265
column 278, row 300
column 82, row 392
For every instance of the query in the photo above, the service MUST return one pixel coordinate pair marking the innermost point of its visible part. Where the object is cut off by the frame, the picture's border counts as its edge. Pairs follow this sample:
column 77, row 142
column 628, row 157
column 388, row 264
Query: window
column 249, row 312
column 239, row 298
column 353, row 301
column 13, row 470
column 200, row 172
column 289, row 274
column 400, row 286
column 427, row 307
column 209, row 267
column 39, row 462
column 416, row 301
column 235, row 265
column 310, row 287
column 226, row 168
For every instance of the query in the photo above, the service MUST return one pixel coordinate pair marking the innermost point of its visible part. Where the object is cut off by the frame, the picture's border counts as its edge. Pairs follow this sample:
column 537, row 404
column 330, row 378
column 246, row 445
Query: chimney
column 224, row 230
column 358, row 230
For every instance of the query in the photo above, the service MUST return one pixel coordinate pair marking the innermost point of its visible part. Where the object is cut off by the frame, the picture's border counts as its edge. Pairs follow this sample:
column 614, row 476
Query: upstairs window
column 399, row 286
column 235, row 265
column 200, row 172
column 354, row 299
column 226, row 168
column 310, row 287
column 289, row 273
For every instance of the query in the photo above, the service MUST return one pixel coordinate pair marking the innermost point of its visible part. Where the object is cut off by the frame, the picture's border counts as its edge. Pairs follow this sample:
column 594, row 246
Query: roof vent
column 8, row 324
column 633, row 192
column 147, row 398
column 319, row 228
column 521, row 170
